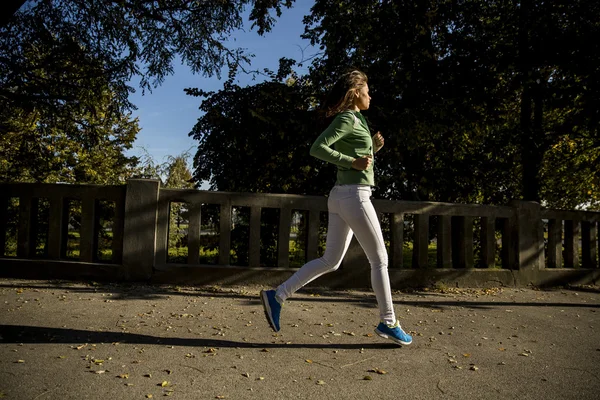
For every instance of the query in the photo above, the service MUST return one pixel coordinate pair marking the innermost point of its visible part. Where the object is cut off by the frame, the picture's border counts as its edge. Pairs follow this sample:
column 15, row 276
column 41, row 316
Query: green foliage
column 257, row 139
column 478, row 101
column 37, row 147
column 113, row 41
column 60, row 120
column 178, row 173
column 65, row 68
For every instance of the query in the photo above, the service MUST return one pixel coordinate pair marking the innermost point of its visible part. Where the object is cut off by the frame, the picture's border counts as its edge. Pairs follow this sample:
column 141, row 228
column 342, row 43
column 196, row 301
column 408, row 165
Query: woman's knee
column 329, row 265
column 380, row 262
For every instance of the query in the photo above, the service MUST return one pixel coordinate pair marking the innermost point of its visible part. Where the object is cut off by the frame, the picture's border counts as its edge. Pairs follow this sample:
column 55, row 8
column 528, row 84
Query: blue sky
column 167, row 115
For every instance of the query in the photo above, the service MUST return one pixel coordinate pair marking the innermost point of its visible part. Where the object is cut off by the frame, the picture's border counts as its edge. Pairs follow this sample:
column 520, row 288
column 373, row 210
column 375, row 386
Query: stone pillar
column 139, row 233
column 530, row 236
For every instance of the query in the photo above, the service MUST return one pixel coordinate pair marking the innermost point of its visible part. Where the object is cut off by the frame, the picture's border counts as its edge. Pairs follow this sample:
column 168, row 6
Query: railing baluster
column 195, row 218
column 56, row 230
column 588, row 244
column 117, row 232
column 162, row 232
column 225, row 233
column 508, row 244
column 444, row 242
column 571, row 244
column 312, row 240
column 397, row 240
column 87, row 238
column 283, row 242
column 462, row 240
column 24, row 244
column 554, row 243
column 488, row 242
column 66, row 210
column 421, row 240
column 254, row 244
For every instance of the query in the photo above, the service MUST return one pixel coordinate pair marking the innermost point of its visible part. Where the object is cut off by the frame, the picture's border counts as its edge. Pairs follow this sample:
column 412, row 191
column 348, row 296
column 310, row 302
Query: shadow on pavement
column 39, row 334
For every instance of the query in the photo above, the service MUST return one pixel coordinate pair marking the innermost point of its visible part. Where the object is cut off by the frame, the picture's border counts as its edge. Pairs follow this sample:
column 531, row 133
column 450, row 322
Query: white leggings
column 350, row 212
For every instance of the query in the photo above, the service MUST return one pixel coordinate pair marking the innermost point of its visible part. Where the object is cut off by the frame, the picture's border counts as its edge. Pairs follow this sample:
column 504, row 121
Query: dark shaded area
column 40, row 334
column 7, row 9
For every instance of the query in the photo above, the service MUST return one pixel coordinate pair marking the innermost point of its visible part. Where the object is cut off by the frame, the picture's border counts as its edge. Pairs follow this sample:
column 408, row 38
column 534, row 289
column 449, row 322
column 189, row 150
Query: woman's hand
column 362, row 163
column 378, row 141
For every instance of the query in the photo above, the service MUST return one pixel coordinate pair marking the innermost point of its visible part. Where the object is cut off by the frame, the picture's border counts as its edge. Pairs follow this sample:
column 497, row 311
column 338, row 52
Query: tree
column 38, row 147
column 178, row 173
column 475, row 98
column 258, row 138
column 472, row 94
column 90, row 44
column 64, row 68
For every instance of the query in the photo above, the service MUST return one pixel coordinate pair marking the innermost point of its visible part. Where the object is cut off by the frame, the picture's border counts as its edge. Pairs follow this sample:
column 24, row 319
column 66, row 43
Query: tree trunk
column 530, row 157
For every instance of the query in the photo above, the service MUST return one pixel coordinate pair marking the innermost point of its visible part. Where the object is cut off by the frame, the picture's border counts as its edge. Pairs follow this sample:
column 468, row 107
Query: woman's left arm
column 377, row 141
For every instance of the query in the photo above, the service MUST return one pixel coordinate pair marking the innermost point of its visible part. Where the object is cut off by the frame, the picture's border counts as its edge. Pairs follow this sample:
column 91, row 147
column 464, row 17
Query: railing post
column 57, row 237
column 589, row 236
column 555, row 243
column 312, row 240
column 283, row 240
column 421, row 242
column 462, row 242
column 225, row 233
column 572, row 232
column 488, row 242
column 444, row 242
column 24, row 231
column 139, row 232
column 89, row 230
column 397, row 240
column 194, row 233
column 530, row 237
column 255, row 213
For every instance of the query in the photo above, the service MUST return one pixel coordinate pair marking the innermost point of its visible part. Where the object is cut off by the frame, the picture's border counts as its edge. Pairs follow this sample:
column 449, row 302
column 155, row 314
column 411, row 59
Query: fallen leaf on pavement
column 378, row 371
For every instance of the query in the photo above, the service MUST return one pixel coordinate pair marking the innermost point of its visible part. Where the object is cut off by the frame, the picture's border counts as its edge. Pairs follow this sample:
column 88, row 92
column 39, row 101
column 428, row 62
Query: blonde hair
column 344, row 90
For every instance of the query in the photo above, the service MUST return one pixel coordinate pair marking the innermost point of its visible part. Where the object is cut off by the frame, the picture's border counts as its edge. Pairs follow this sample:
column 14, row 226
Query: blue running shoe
column 394, row 333
column 272, row 308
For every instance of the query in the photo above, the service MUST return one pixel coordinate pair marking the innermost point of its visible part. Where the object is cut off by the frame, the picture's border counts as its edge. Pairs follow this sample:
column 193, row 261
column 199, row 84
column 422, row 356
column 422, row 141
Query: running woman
column 348, row 144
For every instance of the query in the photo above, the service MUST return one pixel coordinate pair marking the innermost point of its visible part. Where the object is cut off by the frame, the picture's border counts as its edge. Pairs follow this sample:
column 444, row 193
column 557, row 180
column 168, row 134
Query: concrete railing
column 451, row 244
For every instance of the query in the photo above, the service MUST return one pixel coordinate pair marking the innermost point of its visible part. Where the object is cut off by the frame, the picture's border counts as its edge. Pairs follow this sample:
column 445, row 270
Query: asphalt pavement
column 67, row 340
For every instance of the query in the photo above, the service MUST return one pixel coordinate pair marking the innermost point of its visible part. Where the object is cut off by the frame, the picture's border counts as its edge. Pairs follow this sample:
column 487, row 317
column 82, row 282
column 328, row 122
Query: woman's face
column 362, row 98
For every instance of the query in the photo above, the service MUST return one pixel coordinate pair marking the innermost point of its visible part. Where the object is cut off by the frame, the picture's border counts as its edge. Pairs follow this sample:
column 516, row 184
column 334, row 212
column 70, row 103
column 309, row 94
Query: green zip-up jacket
column 346, row 138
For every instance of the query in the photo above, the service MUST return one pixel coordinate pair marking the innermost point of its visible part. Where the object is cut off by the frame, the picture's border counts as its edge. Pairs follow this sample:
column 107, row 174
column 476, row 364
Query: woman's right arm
column 322, row 149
